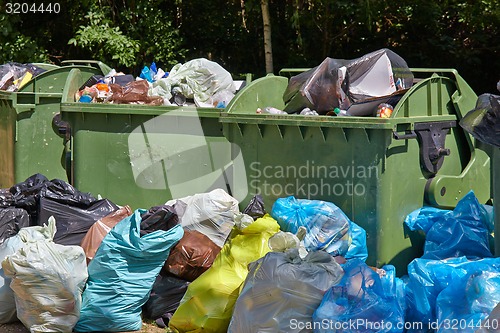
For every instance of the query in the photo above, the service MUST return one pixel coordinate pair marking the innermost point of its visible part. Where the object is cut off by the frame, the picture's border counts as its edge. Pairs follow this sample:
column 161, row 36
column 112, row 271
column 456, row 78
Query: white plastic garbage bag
column 212, row 214
column 199, row 79
column 47, row 280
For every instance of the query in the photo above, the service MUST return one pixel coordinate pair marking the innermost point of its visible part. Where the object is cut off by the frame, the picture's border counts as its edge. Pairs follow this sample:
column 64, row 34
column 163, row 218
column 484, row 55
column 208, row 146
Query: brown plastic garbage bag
column 134, row 92
column 100, row 229
column 192, row 256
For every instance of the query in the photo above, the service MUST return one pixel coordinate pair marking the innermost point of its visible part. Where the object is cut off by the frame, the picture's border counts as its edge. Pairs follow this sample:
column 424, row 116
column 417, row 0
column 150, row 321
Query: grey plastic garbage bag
column 484, row 121
column 282, row 291
column 122, row 274
column 338, row 83
column 47, row 280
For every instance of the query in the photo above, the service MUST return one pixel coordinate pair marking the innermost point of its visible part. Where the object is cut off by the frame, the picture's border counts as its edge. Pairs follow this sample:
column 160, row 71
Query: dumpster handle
column 105, row 69
column 398, row 136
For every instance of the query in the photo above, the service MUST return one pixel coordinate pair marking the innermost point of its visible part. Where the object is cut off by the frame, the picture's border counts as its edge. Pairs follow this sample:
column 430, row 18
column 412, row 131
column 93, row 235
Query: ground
column 147, row 327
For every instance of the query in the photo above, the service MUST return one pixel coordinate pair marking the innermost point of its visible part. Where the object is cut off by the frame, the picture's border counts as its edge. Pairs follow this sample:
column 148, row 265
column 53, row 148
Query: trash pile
column 197, row 82
column 13, row 75
column 71, row 261
column 370, row 85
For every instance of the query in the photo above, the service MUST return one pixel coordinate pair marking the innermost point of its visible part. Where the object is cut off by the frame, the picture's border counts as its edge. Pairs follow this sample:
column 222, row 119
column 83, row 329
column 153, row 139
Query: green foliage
column 129, row 34
column 15, row 46
column 106, row 42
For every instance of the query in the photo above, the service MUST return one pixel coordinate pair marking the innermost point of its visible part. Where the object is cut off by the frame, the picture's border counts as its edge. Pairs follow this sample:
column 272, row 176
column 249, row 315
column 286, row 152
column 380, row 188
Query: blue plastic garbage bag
column 122, row 274
column 461, row 232
column 327, row 226
column 358, row 248
column 427, row 279
column 361, row 302
column 465, row 303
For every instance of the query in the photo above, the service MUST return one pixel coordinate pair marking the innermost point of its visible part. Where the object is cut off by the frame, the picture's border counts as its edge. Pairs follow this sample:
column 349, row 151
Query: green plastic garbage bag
column 47, row 280
column 122, row 274
column 208, row 303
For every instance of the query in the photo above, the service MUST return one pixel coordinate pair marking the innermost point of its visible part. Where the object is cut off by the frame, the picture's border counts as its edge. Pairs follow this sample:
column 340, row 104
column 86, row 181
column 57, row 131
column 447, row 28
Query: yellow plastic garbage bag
column 208, row 303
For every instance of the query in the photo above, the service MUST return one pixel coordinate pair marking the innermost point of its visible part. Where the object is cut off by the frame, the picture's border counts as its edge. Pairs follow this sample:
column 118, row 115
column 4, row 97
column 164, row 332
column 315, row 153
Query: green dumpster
column 143, row 156
column 495, row 168
column 30, row 136
column 376, row 170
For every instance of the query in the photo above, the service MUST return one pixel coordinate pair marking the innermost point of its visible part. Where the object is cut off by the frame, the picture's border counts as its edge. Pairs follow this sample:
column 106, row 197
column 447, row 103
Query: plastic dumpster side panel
column 495, row 168
column 7, row 134
column 144, row 156
column 370, row 167
column 35, row 145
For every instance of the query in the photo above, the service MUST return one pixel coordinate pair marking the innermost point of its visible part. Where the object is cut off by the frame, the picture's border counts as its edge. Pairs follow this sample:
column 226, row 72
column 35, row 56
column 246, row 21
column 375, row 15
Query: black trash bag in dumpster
column 158, row 218
column 72, row 222
column 484, row 121
column 11, row 221
column 338, row 83
column 165, row 296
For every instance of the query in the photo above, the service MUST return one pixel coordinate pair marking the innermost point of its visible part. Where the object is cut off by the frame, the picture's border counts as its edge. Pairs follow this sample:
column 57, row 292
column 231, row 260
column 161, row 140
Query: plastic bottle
column 340, row 113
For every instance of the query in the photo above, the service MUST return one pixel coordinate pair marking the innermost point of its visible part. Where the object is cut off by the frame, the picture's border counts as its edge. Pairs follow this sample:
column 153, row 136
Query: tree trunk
column 268, row 50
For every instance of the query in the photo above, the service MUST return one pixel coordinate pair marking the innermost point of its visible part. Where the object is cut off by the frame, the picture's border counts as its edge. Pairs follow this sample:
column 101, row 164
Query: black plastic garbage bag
column 255, row 207
column 158, row 218
column 339, row 83
column 73, row 222
column 165, row 296
column 6, row 198
column 62, row 192
column 26, row 194
column 11, row 221
column 483, row 122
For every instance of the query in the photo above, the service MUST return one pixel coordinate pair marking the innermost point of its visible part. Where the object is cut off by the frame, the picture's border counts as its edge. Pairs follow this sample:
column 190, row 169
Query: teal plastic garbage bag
column 328, row 228
column 122, row 274
column 461, row 232
column 438, row 290
column 361, row 303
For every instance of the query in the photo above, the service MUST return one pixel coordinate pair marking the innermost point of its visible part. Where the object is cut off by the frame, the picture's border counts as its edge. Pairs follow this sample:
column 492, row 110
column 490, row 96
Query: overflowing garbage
column 198, row 263
column 13, row 75
column 370, row 86
column 198, row 82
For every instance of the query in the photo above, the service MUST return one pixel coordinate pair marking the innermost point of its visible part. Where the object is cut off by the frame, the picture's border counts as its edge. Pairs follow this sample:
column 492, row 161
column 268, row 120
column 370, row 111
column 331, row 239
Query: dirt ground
column 147, row 327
